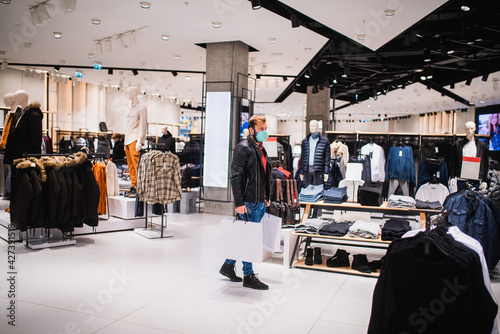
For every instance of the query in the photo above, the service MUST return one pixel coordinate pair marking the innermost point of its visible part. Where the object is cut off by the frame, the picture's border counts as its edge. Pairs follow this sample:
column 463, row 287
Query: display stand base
column 45, row 243
column 153, row 232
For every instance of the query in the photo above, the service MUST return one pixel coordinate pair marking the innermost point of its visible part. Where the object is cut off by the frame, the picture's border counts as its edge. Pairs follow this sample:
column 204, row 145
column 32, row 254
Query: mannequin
column 469, row 147
column 315, row 157
column 25, row 135
column 135, row 136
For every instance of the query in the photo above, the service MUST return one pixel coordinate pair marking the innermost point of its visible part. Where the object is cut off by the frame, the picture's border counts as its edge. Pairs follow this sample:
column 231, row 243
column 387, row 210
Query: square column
column 318, row 108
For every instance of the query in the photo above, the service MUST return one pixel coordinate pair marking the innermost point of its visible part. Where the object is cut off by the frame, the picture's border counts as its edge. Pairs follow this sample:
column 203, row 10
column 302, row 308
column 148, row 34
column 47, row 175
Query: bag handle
column 288, row 193
column 279, row 197
column 237, row 216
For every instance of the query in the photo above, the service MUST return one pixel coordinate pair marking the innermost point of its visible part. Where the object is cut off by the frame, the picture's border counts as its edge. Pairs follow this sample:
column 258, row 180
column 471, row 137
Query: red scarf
column 264, row 160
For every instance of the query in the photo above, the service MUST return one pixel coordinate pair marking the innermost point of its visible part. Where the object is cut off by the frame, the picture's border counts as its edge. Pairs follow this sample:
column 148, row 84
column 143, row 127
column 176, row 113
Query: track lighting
column 57, row 34
column 96, row 21
column 7, row 2
column 107, row 45
column 468, row 82
column 264, row 69
column 57, row 68
column 68, row 6
column 39, row 14
column 485, row 77
column 294, row 18
column 145, row 5
column 452, row 86
column 110, row 71
column 98, row 47
column 427, row 55
column 135, row 72
column 256, row 4
column 121, row 42
column 4, row 65
column 285, row 78
column 258, row 77
column 132, row 41
column 216, row 25
column 174, row 73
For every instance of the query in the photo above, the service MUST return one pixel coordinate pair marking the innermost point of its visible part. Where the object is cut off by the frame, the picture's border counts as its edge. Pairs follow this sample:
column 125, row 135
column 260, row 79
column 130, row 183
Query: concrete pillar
column 318, row 108
column 226, row 62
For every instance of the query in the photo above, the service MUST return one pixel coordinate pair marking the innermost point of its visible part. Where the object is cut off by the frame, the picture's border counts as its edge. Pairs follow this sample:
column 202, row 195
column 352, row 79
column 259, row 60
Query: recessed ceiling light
column 145, row 5
column 188, row 78
column 423, row 77
column 465, row 8
column 272, row 40
column 91, row 55
column 176, row 57
column 450, row 52
column 361, row 37
column 389, row 12
column 216, row 25
column 7, row 2
column 307, row 49
column 165, row 37
column 96, row 21
column 57, row 34
column 419, row 70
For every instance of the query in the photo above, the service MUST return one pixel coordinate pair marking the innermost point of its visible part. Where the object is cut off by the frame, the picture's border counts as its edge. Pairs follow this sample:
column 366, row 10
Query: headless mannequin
column 470, row 129
column 313, row 129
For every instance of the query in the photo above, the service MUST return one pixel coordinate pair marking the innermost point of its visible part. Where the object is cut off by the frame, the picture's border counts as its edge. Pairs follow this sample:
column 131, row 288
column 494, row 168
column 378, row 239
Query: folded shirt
column 370, row 193
column 312, row 193
column 398, row 201
column 335, row 229
column 428, row 205
column 367, row 230
column 311, row 226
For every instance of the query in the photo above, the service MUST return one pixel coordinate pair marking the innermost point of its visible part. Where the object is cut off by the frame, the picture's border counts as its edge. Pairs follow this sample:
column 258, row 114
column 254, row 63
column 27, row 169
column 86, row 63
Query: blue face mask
column 260, row 136
column 315, row 135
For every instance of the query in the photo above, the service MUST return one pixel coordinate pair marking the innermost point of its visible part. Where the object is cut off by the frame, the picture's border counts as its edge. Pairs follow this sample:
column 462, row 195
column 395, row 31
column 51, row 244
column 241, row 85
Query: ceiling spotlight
column 295, row 20
column 98, row 46
column 307, row 75
column 419, row 70
column 75, row 82
column 4, row 65
column 468, row 82
column 264, row 69
column 452, row 86
column 135, row 72
column 132, row 41
column 121, row 42
column 423, row 78
column 307, row 49
column 57, row 68
column 66, row 78
column 39, row 14
column 107, row 45
column 450, row 52
column 96, row 22
column 361, row 37
column 258, row 77
column 57, row 34
column 165, row 37
column 216, row 25
column 27, row 72
column 256, row 4
column 188, row 78
column 389, row 12
column 465, row 8
column 7, row 2
column 429, row 77
column 68, row 6
column 177, row 57
column 485, row 77
column 91, row 55
column 285, row 78
column 145, row 5
column 427, row 55
column 174, row 73
column 272, row 40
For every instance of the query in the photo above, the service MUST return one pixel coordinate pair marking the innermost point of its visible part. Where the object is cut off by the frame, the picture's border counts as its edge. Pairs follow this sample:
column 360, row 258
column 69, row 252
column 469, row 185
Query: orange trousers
column 132, row 162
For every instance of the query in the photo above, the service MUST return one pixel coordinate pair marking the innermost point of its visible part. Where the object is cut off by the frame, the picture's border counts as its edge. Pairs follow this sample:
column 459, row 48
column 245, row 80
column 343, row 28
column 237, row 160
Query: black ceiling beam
column 107, row 67
column 444, row 91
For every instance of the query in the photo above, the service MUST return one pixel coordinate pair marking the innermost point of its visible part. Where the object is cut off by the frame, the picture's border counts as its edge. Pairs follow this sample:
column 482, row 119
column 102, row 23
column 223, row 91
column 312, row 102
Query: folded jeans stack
column 395, row 228
column 335, row 195
column 311, row 226
column 367, row 230
column 335, row 229
column 428, row 205
column 311, row 194
column 370, row 193
column 398, row 201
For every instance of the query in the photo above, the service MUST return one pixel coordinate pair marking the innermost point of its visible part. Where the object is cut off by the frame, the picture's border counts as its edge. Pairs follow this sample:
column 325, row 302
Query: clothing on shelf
column 311, row 194
column 335, row 229
column 54, row 192
column 398, row 201
column 395, row 228
column 478, row 217
column 376, row 155
column 428, row 205
column 433, row 168
column 340, row 150
column 159, row 178
column 432, row 192
column 400, row 164
column 352, row 189
column 370, row 193
column 335, row 195
column 311, row 226
column 366, row 230
column 337, row 173
column 446, row 283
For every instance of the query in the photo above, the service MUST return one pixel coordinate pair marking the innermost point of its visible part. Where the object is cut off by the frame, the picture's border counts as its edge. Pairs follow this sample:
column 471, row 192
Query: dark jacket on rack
column 52, row 192
column 91, row 195
column 249, row 180
column 169, row 142
column 321, row 155
column 457, row 155
column 25, row 135
column 119, row 151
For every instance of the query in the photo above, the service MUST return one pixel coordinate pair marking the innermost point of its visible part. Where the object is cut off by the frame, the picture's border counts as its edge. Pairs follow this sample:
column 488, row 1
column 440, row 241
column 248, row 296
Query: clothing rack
column 42, row 243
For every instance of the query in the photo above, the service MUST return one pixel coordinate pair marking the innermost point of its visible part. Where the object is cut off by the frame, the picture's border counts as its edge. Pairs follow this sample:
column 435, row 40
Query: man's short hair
column 256, row 119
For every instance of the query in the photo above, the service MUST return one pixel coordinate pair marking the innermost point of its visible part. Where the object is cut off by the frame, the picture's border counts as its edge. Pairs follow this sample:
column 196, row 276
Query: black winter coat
column 249, row 180
column 169, row 142
column 321, row 155
column 457, row 155
column 25, row 136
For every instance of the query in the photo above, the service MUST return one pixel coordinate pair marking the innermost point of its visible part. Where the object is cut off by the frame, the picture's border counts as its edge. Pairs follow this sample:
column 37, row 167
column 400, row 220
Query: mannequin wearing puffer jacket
column 315, row 157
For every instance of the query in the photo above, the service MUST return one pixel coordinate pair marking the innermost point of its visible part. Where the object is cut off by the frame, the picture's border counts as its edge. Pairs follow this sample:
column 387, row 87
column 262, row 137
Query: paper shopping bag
column 240, row 240
column 271, row 226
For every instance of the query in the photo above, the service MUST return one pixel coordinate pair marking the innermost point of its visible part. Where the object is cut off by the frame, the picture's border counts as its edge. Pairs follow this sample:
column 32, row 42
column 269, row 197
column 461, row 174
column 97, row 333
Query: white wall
column 14, row 80
column 409, row 125
column 295, row 128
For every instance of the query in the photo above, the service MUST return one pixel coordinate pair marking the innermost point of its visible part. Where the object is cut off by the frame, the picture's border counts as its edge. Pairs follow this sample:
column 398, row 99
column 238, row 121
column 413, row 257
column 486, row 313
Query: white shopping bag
column 271, row 232
column 240, row 240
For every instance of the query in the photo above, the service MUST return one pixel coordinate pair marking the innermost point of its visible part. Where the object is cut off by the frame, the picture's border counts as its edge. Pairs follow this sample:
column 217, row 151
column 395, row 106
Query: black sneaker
column 251, row 281
column 317, row 256
column 309, row 257
column 228, row 271
column 340, row 259
column 361, row 264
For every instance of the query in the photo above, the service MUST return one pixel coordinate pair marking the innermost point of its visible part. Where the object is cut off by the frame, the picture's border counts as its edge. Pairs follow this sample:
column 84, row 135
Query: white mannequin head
column 10, row 101
column 246, row 132
column 132, row 92
column 313, row 126
column 21, row 98
column 470, row 129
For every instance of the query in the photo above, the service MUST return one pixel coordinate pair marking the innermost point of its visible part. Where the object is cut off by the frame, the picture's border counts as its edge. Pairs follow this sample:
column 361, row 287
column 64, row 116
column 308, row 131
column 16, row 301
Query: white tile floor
column 124, row 283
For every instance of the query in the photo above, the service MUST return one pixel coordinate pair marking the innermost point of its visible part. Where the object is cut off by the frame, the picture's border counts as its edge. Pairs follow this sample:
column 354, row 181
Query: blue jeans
column 255, row 212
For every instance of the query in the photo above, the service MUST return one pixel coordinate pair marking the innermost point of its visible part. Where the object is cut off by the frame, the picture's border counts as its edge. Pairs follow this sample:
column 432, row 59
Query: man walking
column 250, row 180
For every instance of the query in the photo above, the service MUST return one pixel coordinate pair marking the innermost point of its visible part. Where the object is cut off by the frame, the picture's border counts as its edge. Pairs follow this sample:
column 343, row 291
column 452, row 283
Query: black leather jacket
column 249, row 181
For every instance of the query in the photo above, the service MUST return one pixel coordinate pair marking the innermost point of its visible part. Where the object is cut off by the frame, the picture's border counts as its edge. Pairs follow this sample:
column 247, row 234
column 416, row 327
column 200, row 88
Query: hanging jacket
column 25, row 135
column 6, row 129
column 321, row 155
column 169, row 142
column 22, row 194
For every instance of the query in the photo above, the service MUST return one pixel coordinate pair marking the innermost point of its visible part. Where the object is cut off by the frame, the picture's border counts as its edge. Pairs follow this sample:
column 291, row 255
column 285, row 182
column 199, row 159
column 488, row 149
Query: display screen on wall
column 488, row 123
column 217, row 139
